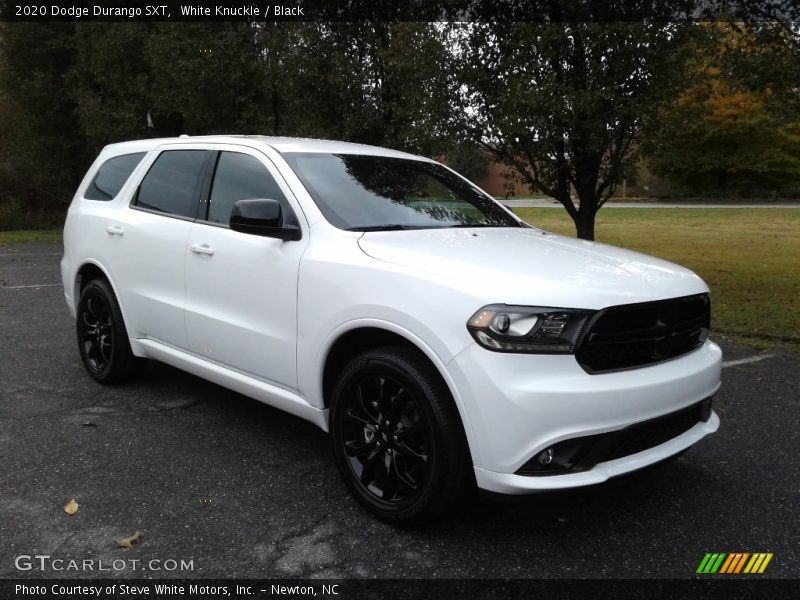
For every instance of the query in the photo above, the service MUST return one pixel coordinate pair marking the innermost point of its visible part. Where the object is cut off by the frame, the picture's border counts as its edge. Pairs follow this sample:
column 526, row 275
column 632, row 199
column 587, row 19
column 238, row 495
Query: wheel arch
column 91, row 269
column 355, row 338
column 350, row 344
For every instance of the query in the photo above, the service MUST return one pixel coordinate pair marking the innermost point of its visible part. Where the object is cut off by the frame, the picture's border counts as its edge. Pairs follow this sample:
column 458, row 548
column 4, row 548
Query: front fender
column 311, row 381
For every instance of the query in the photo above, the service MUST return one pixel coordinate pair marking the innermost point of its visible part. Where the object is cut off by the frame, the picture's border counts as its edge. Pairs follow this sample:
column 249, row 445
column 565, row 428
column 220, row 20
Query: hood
column 532, row 267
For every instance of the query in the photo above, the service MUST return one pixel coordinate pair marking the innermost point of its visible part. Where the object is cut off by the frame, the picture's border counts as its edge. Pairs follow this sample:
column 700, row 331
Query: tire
column 102, row 338
column 397, row 437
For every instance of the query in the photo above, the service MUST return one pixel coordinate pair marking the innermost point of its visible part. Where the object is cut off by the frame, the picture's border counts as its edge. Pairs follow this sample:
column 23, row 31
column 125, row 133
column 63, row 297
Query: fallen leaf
column 128, row 542
column 72, row 507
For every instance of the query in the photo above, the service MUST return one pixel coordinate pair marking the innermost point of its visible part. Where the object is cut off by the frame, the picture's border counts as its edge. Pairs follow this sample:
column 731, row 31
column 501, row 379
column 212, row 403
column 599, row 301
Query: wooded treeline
column 571, row 107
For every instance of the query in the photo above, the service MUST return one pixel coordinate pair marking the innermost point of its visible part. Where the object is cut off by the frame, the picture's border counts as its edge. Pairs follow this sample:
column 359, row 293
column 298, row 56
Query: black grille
column 634, row 335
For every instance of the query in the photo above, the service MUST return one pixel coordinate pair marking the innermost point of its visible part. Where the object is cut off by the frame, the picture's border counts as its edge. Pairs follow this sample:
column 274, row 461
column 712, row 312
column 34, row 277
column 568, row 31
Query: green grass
column 41, row 236
column 750, row 259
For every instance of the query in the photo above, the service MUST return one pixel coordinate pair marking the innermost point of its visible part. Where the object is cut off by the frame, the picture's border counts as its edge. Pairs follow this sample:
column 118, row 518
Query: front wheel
column 397, row 436
column 102, row 337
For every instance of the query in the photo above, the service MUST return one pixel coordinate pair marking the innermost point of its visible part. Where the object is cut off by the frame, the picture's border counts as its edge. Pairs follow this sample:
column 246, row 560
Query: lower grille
column 635, row 335
column 643, row 436
column 582, row 454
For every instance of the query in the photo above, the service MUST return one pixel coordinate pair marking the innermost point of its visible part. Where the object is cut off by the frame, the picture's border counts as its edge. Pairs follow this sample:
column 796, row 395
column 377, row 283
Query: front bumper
column 509, row 483
column 517, row 405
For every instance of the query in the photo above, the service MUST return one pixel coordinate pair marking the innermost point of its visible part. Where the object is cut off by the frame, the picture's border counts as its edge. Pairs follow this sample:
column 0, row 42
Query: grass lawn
column 43, row 236
column 750, row 258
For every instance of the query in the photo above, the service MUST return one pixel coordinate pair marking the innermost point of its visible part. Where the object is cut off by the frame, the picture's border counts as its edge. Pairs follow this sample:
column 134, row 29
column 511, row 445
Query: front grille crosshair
column 635, row 335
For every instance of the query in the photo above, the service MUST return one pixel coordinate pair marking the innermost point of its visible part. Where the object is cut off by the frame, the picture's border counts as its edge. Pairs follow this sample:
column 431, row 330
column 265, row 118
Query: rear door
column 149, row 240
column 241, row 289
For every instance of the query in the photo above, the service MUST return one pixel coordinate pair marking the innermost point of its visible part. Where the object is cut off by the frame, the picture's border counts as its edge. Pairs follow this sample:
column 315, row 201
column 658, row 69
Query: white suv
column 440, row 340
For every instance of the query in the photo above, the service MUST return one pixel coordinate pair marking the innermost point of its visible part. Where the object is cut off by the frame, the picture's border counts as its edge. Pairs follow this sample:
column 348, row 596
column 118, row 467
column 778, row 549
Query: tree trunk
column 586, row 165
column 584, row 222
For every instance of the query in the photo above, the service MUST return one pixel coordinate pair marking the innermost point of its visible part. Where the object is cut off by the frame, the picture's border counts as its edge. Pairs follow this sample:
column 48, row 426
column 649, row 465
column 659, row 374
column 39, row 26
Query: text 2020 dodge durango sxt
column 440, row 340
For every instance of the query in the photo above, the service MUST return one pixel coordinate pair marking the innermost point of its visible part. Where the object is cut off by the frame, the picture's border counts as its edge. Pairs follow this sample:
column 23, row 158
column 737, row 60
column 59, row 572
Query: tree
column 110, row 82
column 736, row 124
column 377, row 83
column 198, row 78
column 561, row 103
column 209, row 78
column 469, row 160
column 70, row 89
column 49, row 155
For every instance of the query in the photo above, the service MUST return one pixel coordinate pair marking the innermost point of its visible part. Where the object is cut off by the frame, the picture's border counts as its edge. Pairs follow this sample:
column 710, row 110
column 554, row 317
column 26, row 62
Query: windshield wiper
column 398, row 227
column 393, row 227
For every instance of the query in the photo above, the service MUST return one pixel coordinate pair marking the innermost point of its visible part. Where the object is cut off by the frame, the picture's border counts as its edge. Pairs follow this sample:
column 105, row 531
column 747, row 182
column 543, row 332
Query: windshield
column 372, row 193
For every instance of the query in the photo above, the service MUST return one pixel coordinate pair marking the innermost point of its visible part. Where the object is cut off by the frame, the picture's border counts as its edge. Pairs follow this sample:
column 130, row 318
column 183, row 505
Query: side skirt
column 233, row 380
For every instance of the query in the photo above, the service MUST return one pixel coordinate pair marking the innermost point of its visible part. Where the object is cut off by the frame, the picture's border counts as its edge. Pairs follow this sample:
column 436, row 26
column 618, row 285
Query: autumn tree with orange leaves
column 735, row 128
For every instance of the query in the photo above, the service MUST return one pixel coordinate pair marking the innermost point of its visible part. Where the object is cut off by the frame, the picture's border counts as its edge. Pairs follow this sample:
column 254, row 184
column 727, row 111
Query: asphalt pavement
column 238, row 489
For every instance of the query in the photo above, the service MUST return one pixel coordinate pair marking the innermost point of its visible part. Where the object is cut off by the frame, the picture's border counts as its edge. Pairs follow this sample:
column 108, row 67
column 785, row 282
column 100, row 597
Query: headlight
column 531, row 329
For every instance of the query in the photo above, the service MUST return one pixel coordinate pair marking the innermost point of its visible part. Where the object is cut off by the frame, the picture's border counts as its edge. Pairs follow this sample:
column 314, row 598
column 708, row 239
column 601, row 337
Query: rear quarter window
column 111, row 176
column 172, row 185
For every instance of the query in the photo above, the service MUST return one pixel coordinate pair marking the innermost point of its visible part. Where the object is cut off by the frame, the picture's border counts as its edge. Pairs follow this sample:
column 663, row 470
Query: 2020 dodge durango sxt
column 440, row 340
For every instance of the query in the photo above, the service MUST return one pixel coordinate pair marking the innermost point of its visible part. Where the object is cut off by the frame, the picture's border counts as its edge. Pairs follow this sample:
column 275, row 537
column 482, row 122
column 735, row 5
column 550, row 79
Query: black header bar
column 554, row 11
column 346, row 589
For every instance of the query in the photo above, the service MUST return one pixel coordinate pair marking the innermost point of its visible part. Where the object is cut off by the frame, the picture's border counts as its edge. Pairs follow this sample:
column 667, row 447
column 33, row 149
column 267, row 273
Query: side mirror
column 262, row 217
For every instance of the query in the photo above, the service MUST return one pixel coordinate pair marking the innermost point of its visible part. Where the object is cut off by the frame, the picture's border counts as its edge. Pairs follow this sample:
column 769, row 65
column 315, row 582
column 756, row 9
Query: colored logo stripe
column 758, row 563
column 734, row 562
column 711, row 562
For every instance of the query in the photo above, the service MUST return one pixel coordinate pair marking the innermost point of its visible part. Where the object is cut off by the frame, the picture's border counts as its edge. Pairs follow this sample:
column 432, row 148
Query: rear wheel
column 102, row 337
column 397, row 436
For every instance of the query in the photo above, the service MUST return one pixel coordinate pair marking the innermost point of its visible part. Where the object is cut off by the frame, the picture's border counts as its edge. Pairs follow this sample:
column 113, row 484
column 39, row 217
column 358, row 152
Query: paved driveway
column 243, row 490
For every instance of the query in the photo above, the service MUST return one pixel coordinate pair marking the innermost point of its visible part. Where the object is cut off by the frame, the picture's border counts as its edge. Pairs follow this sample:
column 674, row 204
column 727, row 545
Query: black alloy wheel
column 102, row 338
column 397, row 436
column 387, row 437
column 96, row 331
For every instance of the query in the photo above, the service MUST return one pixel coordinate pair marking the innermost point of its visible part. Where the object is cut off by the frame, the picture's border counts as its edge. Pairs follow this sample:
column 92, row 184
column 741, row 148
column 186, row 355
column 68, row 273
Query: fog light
column 545, row 457
column 558, row 458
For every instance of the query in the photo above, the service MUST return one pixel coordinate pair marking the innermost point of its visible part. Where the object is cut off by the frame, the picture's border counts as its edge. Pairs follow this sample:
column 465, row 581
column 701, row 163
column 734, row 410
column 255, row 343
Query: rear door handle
column 202, row 249
column 115, row 230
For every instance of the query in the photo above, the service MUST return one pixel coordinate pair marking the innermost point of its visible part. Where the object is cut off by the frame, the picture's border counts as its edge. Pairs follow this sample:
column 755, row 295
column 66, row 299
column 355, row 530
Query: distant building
column 501, row 182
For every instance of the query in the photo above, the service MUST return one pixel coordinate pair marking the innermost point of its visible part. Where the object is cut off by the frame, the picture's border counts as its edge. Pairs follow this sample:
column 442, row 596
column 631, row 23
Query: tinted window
column 237, row 177
column 361, row 193
column 111, row 176
column 170, row 185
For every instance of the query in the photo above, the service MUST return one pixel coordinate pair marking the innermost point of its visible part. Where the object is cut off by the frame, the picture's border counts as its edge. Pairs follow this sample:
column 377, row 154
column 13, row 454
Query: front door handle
column 202, row 249
column 115, row 230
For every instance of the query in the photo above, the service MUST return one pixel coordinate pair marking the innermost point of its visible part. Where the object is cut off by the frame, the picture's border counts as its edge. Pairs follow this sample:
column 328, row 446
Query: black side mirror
column 264, row 217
